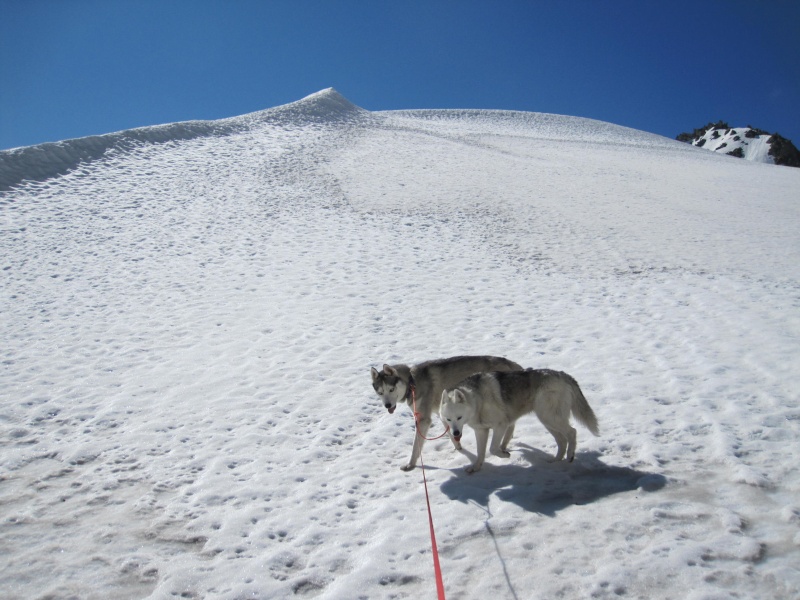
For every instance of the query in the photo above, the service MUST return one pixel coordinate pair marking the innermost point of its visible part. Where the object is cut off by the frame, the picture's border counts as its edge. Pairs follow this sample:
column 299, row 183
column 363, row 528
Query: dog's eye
column 391, row 389
column 459, row 418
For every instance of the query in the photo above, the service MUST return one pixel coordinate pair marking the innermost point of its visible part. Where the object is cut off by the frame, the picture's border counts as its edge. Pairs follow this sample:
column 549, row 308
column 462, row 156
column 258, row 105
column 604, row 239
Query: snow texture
column 190, row 312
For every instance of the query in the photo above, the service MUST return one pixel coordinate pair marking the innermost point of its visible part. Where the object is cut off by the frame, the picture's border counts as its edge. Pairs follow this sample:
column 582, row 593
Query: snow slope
column 188, row 322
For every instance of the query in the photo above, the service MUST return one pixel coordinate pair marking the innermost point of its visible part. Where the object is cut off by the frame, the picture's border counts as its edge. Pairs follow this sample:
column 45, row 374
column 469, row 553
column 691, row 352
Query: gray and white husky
column 496, row 400
column 428, row 380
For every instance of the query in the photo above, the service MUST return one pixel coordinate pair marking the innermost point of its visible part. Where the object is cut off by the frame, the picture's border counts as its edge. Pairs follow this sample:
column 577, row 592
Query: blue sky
column 71, row 68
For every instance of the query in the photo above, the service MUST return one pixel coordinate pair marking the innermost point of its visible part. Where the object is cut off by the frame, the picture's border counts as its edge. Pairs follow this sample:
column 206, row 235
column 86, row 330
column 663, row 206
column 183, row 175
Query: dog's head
column 455, row 411
column 389, row 386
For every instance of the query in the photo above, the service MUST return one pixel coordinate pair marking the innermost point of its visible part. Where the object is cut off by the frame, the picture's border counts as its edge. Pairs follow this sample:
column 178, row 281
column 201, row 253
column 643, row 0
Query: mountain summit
column 744, row 142
column 327, row 105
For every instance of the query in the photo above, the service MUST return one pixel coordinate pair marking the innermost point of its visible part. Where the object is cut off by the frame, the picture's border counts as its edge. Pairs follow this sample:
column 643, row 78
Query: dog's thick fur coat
column 429, row 379
column 496, row 400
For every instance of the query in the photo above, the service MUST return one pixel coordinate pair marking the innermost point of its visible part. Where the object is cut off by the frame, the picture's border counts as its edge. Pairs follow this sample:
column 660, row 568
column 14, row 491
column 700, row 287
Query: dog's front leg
column 423, row 425
column 481, row 437
column 507, row 437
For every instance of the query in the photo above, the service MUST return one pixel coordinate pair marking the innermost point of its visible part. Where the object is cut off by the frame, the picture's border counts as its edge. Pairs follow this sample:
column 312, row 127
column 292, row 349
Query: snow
column 188, row 323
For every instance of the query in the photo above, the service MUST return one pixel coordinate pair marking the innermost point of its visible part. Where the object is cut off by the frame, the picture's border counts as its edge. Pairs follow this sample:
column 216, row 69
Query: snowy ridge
column 188, row 326
column 42, row 161
column 327, row 107
column 541, row 126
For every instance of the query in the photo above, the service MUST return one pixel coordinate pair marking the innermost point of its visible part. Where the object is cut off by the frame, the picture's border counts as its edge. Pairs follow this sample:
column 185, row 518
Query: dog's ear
column 459, row 396
column 375, row 373
column 390, row 371
column 445, row 396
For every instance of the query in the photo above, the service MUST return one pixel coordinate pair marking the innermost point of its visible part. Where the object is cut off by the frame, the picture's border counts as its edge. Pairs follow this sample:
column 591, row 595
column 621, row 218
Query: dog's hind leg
column 573, row 444
column 498, row 437
column 566, row 437
column 561, row 442
column 564, row 434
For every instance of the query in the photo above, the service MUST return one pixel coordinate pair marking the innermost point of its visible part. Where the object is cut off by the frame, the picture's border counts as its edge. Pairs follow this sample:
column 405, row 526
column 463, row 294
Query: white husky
column 496, row 400
column 427, row 380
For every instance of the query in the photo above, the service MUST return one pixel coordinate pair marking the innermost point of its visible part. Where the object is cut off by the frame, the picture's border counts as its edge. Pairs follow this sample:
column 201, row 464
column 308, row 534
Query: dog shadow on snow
column 546, row 487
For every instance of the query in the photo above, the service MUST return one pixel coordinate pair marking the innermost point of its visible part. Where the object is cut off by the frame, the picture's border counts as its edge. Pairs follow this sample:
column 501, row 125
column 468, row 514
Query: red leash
column 416, row 420
column 436, row 568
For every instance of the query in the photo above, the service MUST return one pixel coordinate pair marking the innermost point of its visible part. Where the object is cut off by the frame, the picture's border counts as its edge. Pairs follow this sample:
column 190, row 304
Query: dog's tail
column 581, row 410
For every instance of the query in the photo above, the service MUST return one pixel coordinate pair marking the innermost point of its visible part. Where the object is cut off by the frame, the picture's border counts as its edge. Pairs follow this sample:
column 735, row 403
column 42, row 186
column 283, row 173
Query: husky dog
column 428, row 380
column 496, row 400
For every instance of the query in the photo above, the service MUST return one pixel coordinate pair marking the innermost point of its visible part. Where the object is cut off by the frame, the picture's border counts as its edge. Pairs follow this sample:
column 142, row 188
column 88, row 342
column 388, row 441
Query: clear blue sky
column 71, row 68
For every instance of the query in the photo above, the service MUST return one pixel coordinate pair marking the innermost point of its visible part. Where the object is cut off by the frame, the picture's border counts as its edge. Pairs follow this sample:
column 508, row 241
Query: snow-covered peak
column 744, row 142
column 325, row 105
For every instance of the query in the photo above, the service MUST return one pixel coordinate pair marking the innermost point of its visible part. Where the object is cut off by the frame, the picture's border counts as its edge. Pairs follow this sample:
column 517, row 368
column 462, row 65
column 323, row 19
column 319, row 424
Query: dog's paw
column 473, row 469
column 408, row 467
column 502, row 454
